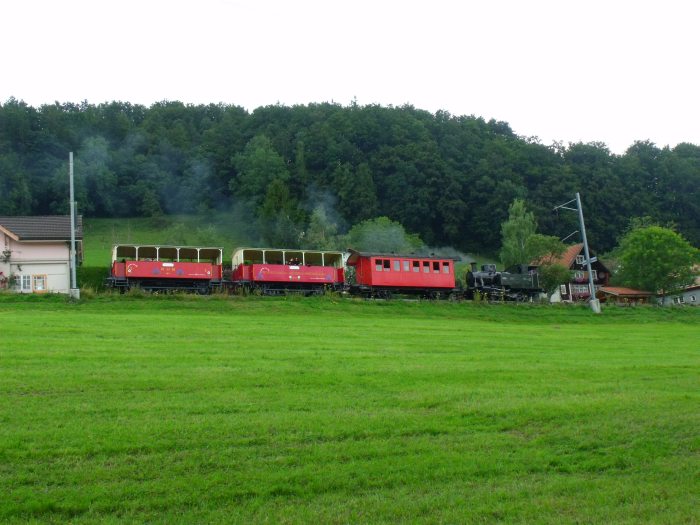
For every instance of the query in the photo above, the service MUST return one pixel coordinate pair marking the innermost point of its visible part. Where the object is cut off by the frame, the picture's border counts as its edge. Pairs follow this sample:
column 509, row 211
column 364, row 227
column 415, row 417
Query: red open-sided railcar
column 164, row 268
column 275, row 271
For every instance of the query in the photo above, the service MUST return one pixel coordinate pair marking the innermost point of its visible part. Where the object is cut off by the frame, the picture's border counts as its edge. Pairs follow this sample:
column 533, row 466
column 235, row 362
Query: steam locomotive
column 517, row 283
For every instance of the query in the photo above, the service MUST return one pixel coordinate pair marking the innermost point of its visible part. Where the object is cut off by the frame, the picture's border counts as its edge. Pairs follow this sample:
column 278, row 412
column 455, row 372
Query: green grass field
column 184, row 409
column 216, row 229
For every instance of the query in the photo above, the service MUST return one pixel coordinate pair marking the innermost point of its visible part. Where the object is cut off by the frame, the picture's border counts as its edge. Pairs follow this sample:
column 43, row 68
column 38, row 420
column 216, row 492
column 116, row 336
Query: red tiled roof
column 619, row 291
column 567, row 258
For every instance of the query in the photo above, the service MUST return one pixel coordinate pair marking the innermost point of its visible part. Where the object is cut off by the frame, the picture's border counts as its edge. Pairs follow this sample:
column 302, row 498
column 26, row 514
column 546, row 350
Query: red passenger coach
column 383, row 275
column 157, row 268
column 276, row 271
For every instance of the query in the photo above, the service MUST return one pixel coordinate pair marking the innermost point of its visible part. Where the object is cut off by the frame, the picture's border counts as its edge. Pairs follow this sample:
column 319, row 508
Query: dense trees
column 446, row 178
column 656, row 259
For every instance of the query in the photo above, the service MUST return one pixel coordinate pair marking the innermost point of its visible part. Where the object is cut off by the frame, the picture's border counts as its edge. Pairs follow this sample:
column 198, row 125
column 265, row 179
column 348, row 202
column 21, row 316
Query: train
column 517, row 283
column 277, row 271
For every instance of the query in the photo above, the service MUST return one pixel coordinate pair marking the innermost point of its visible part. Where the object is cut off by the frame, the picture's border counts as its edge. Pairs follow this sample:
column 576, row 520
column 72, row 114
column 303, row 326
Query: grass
column 186, row 409
column 216, row 229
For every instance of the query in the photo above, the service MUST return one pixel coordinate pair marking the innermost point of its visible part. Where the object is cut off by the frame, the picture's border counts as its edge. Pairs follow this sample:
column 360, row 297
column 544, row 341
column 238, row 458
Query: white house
column 35, row 256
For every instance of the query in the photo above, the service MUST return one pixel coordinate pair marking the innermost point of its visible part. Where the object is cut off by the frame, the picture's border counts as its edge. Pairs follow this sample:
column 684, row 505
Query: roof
column 41, row 227
column 619, row 291
column 566, row 259
column 355, row 255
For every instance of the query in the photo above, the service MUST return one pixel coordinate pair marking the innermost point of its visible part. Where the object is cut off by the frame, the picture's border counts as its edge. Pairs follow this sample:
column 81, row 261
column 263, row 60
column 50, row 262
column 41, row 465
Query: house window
column 678, row 300
column 562, row 289
column 691, row 298
column 578, row 276
column 580, row 259
column 397, row 266
column 39, row 283
column 445, row 267
column 406, row 266
column 378, row 265
column 595, row 274
column 25, row 283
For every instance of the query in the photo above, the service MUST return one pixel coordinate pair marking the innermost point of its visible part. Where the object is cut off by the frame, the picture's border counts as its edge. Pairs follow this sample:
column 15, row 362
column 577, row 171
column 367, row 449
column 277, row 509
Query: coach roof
column 355, row 255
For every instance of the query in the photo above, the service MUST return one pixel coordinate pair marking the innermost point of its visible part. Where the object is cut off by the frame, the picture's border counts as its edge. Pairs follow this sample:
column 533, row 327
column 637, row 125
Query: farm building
column 621, row 295
column 36, row 253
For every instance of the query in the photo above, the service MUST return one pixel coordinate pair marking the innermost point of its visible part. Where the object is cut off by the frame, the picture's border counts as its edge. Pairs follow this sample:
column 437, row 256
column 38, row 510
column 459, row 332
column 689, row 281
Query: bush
column 92, row 277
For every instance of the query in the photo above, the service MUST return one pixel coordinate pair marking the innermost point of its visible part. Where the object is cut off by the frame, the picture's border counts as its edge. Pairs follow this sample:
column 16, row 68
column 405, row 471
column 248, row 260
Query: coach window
column 445, row 267
column 406, row 266
column 436, row 267
column 416, row 266
column 426, row 267
column 387, row 265
column 397, row 266
column 378, row 264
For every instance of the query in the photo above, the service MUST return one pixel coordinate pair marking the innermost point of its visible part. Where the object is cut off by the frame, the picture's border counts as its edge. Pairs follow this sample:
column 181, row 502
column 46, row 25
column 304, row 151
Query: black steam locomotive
column 517, row 283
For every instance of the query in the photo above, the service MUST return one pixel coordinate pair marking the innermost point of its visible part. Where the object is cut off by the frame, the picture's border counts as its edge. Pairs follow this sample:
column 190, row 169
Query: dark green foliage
column 383, row 235
column 448, row 178
column 656, row 259
column 92, row 277
column 516, row 233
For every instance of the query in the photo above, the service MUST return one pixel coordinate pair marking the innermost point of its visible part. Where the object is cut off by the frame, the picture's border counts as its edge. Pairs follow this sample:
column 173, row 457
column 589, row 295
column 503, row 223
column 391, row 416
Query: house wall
column 38, row 267
column 577, row 287
column 39, row 251
column 688, row 297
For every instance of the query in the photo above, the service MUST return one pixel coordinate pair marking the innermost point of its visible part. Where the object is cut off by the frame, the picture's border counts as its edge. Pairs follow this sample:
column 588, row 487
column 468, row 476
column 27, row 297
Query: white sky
column 614, row 71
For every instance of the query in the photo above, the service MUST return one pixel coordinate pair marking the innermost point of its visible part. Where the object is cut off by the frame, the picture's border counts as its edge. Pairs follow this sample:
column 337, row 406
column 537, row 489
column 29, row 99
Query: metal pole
column 595, row 304
column 74, row 291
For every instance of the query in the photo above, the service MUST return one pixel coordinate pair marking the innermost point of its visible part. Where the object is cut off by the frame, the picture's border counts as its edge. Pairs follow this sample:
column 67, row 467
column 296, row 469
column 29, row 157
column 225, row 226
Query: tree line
column 307, row 172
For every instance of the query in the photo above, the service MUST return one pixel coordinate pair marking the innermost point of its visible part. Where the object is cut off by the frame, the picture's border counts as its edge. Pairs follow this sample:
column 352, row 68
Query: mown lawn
column 201, row 410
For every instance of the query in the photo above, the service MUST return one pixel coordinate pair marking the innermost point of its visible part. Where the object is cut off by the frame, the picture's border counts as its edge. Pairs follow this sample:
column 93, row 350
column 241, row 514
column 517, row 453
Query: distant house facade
column 577, row 288
column 690, row 295
column 35, row 255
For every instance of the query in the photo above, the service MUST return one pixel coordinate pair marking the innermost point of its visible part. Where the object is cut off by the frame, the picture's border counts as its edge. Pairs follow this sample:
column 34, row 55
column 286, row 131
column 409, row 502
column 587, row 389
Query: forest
column 297, row 172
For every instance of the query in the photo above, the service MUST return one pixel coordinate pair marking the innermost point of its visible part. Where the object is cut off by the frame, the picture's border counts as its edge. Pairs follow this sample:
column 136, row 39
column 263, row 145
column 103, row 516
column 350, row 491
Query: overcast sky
column 613, row 71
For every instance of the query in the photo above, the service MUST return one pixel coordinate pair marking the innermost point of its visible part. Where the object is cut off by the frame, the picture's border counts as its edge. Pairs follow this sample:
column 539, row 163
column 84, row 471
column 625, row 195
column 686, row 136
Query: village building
column 623, row 296
column 35, row 255
column 689, row 295
column 576, row 289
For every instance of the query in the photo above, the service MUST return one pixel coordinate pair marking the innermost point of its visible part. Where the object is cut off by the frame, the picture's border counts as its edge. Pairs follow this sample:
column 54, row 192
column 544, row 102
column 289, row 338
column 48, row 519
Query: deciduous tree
column 654, row 258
